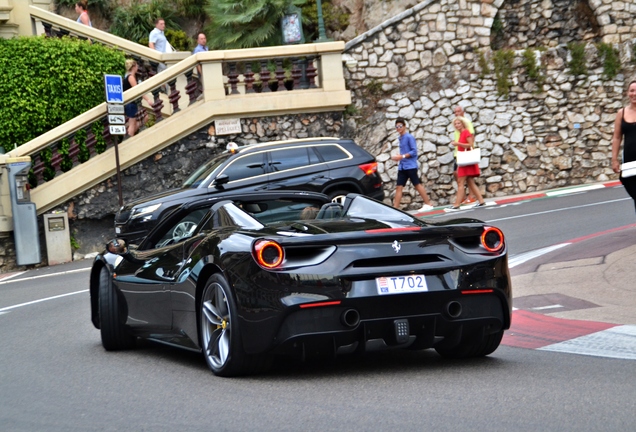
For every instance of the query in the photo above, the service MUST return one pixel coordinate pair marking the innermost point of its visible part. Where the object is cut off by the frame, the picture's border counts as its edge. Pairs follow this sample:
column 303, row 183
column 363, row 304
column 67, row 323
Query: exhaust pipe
column 454, row 309
column 350, row 318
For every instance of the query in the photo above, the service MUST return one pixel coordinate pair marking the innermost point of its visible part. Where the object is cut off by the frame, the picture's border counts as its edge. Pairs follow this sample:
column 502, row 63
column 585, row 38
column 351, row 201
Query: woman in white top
column 81, row 7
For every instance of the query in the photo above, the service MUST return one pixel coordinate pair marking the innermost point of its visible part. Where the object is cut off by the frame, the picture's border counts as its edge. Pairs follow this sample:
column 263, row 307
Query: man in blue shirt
column 407, row 167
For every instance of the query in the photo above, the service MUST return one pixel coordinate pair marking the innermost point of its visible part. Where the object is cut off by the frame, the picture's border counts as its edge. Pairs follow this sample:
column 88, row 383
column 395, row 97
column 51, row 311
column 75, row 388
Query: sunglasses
column 399, row 126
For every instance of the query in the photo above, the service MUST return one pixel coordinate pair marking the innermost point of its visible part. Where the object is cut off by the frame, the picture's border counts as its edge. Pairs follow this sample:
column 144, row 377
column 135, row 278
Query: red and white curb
column 536, row 331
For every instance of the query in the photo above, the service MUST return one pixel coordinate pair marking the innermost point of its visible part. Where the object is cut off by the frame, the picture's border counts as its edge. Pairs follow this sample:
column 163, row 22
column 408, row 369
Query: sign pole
column 114, row 87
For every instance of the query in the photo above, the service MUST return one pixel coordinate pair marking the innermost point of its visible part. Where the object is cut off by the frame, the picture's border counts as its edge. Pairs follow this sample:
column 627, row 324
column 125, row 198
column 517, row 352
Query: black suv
column 331, row 166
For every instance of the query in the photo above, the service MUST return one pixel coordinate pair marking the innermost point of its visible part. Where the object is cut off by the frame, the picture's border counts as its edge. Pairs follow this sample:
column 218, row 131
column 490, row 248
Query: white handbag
column 628, row 169
column 468, row 157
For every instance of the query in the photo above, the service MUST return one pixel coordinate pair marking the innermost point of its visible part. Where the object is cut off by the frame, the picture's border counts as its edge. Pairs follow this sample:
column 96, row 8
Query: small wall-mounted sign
column 117, row 129
column 228, row 126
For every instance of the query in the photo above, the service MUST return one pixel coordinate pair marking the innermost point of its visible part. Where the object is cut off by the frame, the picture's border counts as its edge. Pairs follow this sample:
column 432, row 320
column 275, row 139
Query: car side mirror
column 221, row 180
column 117, row 246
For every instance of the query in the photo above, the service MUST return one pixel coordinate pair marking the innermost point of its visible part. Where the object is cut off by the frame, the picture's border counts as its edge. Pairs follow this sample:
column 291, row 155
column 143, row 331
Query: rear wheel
column 477, row 344
column 338, row 196
column 220, row 334
column 112, row 316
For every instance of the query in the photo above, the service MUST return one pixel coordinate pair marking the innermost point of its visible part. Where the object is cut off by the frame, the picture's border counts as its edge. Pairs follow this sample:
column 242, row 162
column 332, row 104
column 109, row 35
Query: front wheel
column 477, row 344
column 220, row 334
column 112, row 316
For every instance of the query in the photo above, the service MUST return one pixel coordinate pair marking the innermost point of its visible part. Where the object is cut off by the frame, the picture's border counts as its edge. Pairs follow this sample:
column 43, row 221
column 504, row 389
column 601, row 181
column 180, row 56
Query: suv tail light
column 369, row 168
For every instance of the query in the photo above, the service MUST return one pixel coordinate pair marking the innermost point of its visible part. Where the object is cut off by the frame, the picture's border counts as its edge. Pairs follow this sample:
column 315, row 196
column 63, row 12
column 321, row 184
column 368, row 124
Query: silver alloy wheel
column 216, row 325
column 183, row 230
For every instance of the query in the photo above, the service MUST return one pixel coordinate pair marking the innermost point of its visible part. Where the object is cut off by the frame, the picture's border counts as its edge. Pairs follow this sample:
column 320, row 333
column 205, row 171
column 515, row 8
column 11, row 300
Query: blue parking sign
column 114, row 87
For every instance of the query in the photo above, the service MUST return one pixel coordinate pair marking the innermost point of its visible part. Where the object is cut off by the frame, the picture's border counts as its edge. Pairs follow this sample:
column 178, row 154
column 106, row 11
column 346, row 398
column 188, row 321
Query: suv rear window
column 289, row 158
column 331, row 152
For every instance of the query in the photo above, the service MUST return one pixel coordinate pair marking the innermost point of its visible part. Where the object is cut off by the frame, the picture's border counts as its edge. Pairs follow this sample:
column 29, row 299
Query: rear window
column 289, row 158
column 331, row 152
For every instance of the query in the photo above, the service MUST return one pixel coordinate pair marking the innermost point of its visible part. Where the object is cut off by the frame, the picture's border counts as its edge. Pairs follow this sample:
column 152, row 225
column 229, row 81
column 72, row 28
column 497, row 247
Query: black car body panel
column 336, row 289
column 325, row 165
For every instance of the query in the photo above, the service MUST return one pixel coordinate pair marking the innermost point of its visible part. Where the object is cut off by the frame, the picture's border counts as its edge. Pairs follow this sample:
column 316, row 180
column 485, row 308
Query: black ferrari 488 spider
column 290, row 273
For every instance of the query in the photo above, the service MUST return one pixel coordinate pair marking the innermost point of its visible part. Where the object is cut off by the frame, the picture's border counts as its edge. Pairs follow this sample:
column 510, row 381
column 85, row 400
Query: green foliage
column 245, row 24
column 179, row 40
column 503, row 60
column 577, row 64
column 483, row 64
column 351, row 111
column 611, row 60
column 63, row 150
column 497, row 26
column 335, row 19
column 374, row 87
column 135, row 21
column 191, row 8
column 104, row 6
column 80, row 139
column 532, row 68
column 48, row 81
column 74, row 243
column 100, row 143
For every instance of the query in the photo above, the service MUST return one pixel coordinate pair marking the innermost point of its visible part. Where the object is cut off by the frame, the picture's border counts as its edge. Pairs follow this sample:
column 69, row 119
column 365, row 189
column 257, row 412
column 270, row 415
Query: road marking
column 43, row 276
column 556, row 306
column 11, row 275
column 527, row 256
column 576, row 189
column 41, row 300
column 616, row 342
column 558, row 210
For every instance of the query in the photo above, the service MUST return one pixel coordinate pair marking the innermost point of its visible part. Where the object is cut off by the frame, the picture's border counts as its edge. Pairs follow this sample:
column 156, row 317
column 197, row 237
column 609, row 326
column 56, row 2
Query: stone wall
column 422, row 63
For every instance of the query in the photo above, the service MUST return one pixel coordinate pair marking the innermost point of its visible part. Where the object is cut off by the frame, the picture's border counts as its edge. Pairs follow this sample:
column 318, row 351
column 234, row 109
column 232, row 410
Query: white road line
column 616, row 342
column 527, row 256
column 43, row 276
column 41, row 300
column 556, row 306
column 12, row 276
column 575, row 190
column 558, row 210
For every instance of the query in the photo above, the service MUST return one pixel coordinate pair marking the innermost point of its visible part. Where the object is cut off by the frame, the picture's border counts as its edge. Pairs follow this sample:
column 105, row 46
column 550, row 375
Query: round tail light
column 492, row 239
column 268, row 253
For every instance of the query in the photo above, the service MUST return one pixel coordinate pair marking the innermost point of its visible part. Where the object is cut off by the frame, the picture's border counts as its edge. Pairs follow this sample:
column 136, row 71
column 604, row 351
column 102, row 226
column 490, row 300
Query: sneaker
column 425, row 208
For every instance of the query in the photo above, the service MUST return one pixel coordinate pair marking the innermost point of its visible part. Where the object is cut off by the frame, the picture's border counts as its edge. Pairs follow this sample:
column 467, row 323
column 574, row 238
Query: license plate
column 401, row 284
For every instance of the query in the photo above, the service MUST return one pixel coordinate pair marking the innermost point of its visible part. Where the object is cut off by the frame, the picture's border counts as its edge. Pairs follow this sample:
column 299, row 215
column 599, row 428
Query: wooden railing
column 235, row 83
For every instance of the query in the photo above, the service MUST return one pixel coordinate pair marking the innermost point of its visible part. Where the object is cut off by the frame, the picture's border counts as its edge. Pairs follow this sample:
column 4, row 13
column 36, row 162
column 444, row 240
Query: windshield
column 363, row 207
column 205, row 170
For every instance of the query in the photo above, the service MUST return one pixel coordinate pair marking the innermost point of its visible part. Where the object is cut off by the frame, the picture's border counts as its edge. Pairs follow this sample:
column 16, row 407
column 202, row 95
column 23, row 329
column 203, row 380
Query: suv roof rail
column 289, row 141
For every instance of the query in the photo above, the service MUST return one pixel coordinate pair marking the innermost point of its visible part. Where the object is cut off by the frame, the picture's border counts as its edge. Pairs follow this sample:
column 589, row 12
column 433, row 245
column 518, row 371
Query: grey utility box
column 25, row 219
column 58, row 238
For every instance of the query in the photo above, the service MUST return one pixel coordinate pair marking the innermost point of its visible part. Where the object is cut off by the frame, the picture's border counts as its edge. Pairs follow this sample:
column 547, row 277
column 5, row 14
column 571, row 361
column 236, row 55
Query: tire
column 477, row 344
column 220, row 333
column 112, row 316
column 338, row 196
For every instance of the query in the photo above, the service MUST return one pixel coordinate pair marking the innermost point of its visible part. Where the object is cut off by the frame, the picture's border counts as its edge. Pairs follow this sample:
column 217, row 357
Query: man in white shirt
column 158, row 41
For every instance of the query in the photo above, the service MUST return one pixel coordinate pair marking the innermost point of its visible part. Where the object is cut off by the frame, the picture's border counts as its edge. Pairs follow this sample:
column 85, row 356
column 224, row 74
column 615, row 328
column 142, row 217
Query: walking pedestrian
column 625, row 127
column 157, row 40
column 201, row 47
column 407, row 166
column 459, row 112
column 81, row 7
column 465, row 174
column 130, row 109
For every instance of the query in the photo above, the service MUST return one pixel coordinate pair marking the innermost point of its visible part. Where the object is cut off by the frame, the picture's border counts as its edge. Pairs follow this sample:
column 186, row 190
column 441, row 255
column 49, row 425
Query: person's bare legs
column 472, row 186
column 470, row 193
column 420, row 189
column 398, row 196
column 132, row 126
column 459, row 198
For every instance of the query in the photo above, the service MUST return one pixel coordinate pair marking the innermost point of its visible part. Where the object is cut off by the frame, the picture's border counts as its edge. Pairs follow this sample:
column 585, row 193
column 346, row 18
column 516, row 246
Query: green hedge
column 44, row 82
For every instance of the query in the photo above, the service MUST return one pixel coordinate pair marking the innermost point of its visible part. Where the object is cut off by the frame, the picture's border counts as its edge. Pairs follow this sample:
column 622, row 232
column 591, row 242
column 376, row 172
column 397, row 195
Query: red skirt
column 468, row 171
